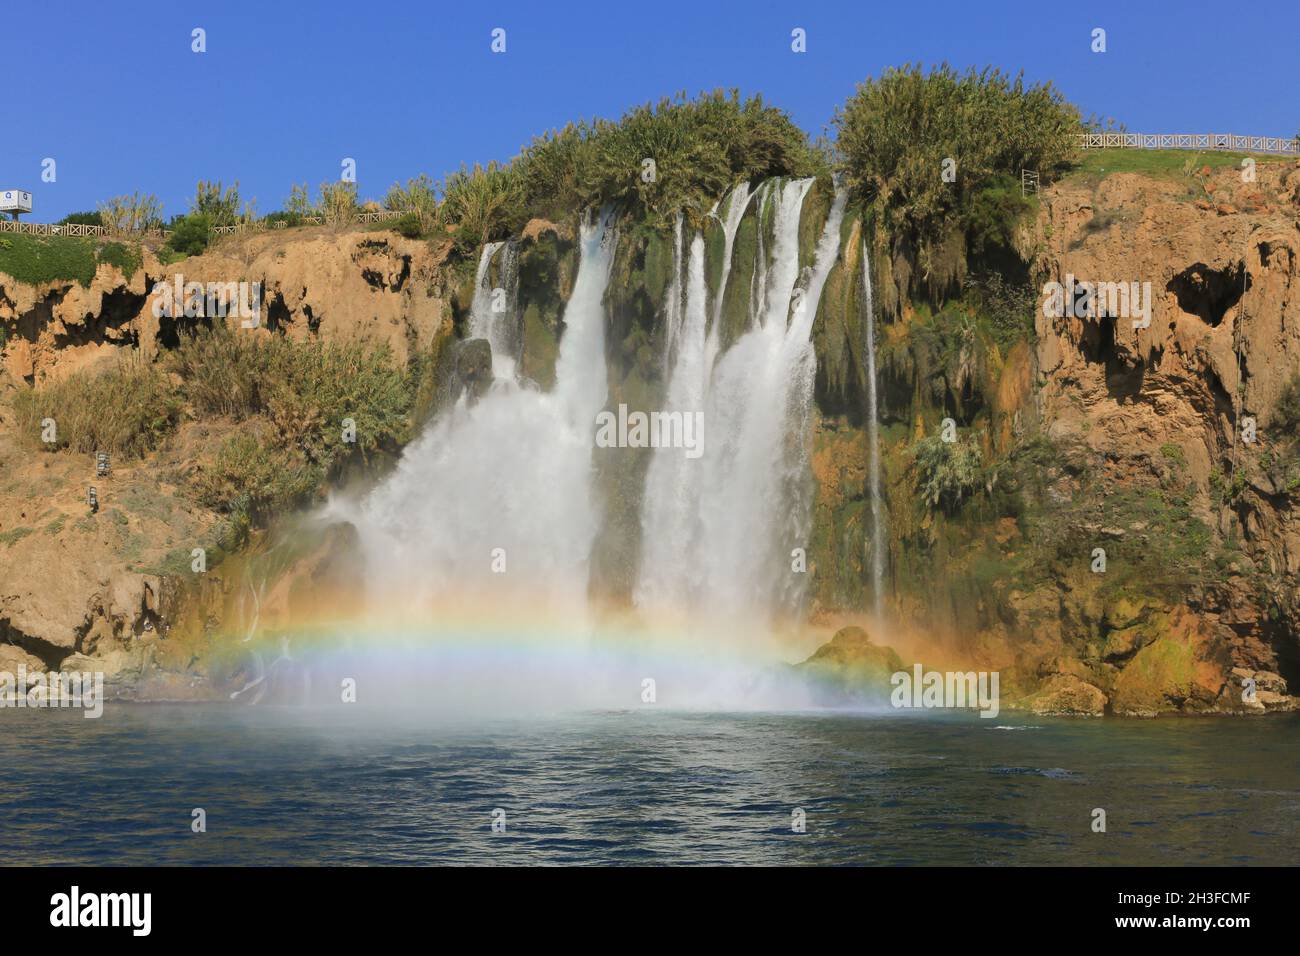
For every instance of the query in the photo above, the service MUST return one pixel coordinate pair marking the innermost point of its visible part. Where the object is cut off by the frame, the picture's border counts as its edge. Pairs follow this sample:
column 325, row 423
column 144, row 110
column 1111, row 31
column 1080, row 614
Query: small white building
column 15, row 201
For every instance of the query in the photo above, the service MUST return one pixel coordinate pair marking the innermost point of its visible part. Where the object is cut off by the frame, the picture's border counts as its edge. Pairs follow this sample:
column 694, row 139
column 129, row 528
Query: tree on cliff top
column 220, row 206
column 899, row 134
column 657, row 159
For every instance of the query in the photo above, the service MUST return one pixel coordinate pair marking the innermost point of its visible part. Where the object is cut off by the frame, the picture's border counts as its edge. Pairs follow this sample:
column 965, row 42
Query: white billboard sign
column 15, row 200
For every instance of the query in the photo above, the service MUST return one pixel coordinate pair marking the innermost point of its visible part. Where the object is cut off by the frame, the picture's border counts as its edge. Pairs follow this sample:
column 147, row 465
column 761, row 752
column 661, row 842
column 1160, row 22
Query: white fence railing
column 1229, row 142
column 71, row 229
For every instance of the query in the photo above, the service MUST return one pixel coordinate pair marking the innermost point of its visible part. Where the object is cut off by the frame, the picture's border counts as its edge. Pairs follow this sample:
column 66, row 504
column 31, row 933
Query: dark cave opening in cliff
column 277, row 314
column 1002, row 261
column 1209, row 293
column 964, row 403
column 1098, row 340
column 1125, row 375
column 170, row 329
column 847, row 397
column 1288, row 653
column 119, row 309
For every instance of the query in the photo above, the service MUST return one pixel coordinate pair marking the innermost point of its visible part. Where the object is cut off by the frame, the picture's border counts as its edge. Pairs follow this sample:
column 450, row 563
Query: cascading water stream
column 672, row 480
column 493, row 503
column 673, row 297
column 873, row 441
column 758, row 284
column 739, row 202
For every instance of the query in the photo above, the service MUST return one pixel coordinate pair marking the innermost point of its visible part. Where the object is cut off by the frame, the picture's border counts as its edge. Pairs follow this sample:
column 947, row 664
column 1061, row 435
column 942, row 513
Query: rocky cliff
column 1127, row 540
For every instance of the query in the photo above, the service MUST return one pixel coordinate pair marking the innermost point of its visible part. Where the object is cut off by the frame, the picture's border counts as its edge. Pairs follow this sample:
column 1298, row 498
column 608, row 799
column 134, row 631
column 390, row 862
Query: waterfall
column 493, row 503
column 717, row 532
column 873, row 441
column 494, row 314
column 504, row 483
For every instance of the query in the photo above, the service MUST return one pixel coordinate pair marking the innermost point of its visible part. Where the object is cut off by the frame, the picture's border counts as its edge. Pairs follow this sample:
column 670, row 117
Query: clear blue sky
column 112, row 91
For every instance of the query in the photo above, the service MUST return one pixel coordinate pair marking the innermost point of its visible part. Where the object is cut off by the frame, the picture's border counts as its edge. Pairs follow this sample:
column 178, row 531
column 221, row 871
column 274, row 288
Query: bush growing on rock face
column 1287, row 413
column 305, row 389
column 948, row 473
column 253, row 477
column 992, row 212
column 1008, row 306
column 294, row 397
column 37, row 259
column 127, row 410
column 408, row 226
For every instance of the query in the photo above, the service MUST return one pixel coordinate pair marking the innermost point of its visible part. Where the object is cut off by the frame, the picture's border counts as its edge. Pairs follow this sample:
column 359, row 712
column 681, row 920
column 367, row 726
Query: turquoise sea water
column 288, row 785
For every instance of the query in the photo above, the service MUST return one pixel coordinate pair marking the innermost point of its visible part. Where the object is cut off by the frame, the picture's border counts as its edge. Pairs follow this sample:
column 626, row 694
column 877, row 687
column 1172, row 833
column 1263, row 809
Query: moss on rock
column 850, row 669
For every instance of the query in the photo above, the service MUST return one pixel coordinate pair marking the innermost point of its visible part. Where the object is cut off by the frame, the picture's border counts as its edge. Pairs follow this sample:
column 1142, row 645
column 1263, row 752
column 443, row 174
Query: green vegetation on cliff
column 699, row 148
column 38, row 259
column 310, row 407
column 658, row 159
column 897, row 132
column 304, row 413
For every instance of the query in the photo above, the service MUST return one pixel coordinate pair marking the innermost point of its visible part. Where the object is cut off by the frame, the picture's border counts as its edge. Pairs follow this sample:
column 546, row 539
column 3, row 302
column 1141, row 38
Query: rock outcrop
column 314, row 282
column 850, row 669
